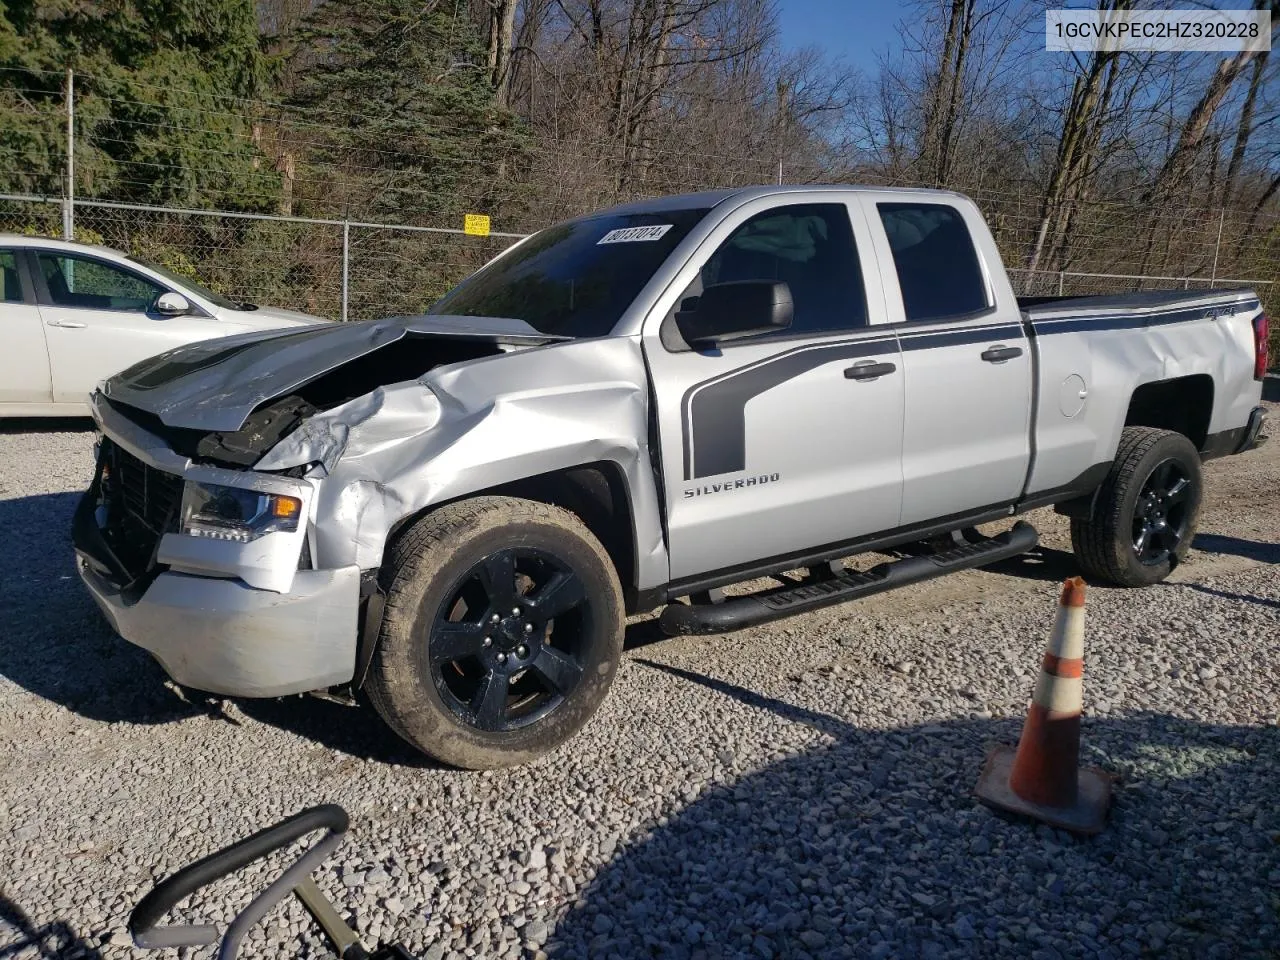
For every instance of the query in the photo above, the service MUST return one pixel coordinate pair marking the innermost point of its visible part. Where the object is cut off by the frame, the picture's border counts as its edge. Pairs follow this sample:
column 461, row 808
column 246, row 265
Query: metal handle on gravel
column 167, row 893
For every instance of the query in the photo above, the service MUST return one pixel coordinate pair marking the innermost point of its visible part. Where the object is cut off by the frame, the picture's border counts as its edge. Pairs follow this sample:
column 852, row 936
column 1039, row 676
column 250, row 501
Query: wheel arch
column 596, row 492
column 1182, row 404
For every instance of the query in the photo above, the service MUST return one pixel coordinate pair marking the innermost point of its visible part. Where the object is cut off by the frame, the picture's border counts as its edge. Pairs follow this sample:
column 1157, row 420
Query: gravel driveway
column 797, row 790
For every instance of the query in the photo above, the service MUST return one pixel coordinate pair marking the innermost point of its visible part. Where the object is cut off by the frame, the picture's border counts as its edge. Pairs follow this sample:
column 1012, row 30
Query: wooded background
column 418, row 111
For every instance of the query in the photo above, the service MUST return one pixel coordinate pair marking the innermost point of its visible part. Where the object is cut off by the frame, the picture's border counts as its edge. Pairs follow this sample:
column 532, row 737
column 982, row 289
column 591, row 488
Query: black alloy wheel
column 1142, row 519
column 1160, row 516
column 506, row 647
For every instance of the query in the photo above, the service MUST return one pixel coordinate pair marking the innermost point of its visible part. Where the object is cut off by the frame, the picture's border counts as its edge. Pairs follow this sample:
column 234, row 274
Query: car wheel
column 1144, row 515
column 501, row 634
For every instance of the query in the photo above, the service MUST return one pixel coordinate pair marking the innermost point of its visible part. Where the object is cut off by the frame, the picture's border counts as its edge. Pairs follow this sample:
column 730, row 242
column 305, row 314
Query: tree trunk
column 1076, row 157
column 287, row 167
column 940, row 94
column 951, row 114
column 502, row 27
column 1195, row 127
column 659, row 76
column 1244, row 128
column 1272, row 189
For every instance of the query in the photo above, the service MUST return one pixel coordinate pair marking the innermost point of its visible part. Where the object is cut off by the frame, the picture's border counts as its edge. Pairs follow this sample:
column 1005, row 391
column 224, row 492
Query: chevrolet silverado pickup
column 452, row 514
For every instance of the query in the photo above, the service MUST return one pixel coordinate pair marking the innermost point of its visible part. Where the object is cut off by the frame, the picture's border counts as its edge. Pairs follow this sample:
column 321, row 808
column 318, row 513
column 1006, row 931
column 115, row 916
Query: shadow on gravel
column 1235, row 546
column 56, row 643
column 55, row 941
column 1229, row 595
column 870, row 844
column 1042, row 563
column 361, row 732
column 46, row 425
column 355, row 731
column 1046, row 563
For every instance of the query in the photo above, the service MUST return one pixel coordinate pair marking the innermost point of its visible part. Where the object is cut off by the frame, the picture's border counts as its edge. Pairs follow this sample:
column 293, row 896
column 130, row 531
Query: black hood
column 216, row 384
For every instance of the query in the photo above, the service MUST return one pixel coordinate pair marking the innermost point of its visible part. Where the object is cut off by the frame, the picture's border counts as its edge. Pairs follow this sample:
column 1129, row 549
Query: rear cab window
column 937, row 264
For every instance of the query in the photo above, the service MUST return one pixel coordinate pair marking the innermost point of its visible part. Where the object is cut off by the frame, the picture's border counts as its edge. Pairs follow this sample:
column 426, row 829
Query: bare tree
column 1244, row 127
column 1075, row 160
column 501, row 37
column 1196, row 125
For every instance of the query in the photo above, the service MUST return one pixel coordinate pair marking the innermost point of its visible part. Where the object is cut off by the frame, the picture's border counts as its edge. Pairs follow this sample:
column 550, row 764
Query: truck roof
column 710, row 198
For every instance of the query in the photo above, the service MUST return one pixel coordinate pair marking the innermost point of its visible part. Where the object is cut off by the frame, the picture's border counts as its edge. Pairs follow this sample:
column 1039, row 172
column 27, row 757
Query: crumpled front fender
column 472, row 426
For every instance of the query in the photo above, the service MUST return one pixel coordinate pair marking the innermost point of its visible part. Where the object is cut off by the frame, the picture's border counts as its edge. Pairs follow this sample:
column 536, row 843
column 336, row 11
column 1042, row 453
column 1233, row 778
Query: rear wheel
column 501, row 634
column 1145, row 514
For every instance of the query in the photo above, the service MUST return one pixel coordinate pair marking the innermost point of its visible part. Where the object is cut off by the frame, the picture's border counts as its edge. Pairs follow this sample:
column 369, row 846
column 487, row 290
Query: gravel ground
column 798, row 790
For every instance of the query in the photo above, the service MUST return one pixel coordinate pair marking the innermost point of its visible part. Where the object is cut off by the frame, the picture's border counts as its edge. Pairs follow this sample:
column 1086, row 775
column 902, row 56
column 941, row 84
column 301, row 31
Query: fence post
column 1061, row 277
column 346, row 261
column 1217, row 246
column 69, row 192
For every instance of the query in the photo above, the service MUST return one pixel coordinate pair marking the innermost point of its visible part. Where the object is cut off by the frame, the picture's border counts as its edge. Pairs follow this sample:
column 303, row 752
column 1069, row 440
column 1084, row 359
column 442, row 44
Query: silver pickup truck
column 454, row 513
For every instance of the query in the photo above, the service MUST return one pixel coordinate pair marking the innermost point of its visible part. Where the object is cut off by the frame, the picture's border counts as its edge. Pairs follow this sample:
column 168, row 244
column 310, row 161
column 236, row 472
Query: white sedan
column 72, row 315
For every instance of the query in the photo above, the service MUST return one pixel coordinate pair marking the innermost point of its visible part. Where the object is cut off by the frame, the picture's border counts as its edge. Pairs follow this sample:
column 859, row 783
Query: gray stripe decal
column 1051, row 325
column 959, row 337
column 714, row 411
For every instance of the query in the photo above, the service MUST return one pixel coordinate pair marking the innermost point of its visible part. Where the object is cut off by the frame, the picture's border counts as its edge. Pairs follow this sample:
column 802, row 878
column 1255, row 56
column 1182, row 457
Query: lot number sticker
column 635, row 234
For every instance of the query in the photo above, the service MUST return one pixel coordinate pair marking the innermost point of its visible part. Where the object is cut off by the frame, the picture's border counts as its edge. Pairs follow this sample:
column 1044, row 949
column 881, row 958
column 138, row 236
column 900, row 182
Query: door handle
column 68, row 324
column 1000, row 353
column 869, row 370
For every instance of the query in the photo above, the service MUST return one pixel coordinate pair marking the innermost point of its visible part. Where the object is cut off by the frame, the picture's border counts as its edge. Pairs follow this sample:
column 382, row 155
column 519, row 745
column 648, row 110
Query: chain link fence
column 347, row 270
column 1065, row 283
column 352, row 270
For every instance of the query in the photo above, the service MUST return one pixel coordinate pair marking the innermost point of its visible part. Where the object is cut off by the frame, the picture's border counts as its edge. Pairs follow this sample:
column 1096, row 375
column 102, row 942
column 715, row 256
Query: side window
column 810, row 246
column 93, row 285
column 937, row 266
column 10, row 284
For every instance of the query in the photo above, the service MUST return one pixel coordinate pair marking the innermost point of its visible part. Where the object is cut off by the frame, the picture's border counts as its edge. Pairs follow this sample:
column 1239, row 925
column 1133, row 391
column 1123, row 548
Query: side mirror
column 733, row 311
column 172, row 305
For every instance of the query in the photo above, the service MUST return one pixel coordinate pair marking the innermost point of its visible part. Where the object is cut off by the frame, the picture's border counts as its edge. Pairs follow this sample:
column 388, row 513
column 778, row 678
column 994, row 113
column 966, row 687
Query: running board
column 734, row 613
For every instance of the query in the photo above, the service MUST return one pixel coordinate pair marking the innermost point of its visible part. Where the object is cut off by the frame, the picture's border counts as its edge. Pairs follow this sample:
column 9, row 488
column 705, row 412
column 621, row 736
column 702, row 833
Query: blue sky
column 861, row 30
column 857, row 30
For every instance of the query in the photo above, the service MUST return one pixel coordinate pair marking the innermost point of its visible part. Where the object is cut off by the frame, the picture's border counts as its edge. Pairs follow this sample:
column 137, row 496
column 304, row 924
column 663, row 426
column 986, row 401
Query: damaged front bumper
column 238, row 619
column 222, row 636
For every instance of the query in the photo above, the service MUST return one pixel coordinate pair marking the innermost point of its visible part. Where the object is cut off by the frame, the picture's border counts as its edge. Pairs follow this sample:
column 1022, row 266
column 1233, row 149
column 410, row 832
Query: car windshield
column 575, row 279
column 186, row 283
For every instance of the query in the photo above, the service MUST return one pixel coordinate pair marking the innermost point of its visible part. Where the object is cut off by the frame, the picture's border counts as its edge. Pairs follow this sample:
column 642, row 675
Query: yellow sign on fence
column 476, row 224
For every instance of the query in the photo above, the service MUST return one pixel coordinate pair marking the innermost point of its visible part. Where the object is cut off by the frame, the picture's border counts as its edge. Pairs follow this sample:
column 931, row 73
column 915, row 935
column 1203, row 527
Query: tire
column 1110, row 544
column 525, row 677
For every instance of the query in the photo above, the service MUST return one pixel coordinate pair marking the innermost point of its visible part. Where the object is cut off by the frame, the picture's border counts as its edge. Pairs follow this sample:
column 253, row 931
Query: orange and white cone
column 1042, row 779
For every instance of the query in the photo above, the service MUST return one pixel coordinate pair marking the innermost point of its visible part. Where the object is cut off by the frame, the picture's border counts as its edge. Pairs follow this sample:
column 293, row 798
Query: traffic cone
column 1042, row 779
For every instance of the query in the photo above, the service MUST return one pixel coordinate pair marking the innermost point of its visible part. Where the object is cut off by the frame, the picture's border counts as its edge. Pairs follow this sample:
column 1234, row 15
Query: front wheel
column 501, row 633
column 1145, row 514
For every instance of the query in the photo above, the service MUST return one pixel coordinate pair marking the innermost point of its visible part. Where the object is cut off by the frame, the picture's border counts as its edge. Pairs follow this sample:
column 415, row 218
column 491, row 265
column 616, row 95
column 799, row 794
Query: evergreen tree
column 158, row 117
column 403, row 121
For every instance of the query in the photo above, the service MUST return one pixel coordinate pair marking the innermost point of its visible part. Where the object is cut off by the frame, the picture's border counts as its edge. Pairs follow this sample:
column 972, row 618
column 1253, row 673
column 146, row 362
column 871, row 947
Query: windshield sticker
column 635, row 234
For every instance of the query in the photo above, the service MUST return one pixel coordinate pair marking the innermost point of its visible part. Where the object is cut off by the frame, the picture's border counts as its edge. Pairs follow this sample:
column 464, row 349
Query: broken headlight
column 233, row 513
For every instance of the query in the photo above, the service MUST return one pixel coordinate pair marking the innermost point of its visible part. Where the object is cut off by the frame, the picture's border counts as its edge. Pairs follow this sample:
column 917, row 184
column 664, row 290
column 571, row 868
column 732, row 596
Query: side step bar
column 734, row 613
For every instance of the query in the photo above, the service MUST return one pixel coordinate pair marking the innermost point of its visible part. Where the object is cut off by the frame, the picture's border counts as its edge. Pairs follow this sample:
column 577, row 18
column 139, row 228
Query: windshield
column 574, row 279
column 199, row 289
